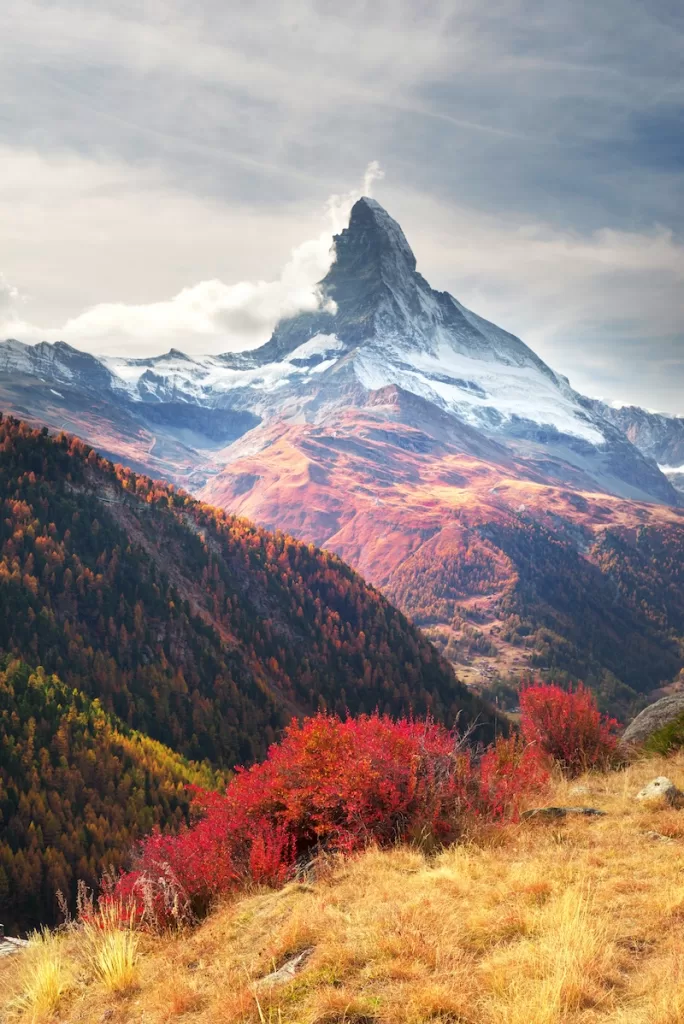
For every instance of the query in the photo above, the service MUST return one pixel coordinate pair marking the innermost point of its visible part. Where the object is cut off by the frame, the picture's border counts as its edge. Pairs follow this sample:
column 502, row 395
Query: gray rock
column 287, row 972
column 562, row 812
column 653, row 718
column 9, row 945
column 661, row 788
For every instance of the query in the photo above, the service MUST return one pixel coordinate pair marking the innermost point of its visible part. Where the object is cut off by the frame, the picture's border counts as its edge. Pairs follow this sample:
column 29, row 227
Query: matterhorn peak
column 373, row 234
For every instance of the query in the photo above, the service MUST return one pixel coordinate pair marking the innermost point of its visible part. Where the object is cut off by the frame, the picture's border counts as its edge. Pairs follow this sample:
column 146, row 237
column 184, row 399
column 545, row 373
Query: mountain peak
column 372, row 229
column 373, row 267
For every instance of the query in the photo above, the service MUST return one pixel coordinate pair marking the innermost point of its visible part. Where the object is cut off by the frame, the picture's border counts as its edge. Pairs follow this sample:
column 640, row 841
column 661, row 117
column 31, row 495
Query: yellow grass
column 110, row 948
column 575, row 922
column 42, row 979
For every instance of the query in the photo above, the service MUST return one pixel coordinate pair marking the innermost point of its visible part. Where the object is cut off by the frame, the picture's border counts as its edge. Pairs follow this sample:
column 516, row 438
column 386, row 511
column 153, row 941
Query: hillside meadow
column 527, row 922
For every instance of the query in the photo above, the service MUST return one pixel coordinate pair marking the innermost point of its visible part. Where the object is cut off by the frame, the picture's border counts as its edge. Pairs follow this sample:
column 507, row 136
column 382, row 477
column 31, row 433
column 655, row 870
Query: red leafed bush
column 568, row 727
column 507, row 772
column 345, row 784
column 333, row 785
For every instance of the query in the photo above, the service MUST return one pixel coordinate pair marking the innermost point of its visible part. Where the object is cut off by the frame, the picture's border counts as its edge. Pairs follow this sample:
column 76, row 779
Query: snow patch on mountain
column 16, row 357
column 319, row 345
column 202, row 378
column 481, row 392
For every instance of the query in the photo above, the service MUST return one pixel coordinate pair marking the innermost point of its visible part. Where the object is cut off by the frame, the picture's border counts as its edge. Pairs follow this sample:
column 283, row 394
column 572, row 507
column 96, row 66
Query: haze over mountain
column 402, row 431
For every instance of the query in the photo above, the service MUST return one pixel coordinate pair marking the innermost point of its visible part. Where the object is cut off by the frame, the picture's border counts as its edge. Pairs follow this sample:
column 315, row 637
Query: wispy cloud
column 9, row 296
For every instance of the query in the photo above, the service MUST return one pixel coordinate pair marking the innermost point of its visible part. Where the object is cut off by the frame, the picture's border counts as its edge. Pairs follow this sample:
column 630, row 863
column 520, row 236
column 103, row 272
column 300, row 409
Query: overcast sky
column 166, row 168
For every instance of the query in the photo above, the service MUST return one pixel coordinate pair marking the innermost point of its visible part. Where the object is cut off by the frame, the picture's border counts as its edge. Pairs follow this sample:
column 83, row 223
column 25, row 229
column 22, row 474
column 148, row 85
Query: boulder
column 662, row 789
column 10, row 945
column 653, row 718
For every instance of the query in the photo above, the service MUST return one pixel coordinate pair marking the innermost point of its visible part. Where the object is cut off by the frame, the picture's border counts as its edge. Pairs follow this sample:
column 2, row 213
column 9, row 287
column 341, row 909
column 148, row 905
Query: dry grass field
column 580, row 920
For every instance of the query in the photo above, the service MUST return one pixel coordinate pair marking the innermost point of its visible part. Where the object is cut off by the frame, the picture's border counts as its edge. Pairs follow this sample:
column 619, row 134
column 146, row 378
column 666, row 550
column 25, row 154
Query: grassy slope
column 532, row 924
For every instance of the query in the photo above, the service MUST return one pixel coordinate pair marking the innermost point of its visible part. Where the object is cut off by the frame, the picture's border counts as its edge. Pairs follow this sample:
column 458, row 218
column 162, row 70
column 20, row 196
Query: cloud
column 374, row 172
column 9, row 295
column 211, row 316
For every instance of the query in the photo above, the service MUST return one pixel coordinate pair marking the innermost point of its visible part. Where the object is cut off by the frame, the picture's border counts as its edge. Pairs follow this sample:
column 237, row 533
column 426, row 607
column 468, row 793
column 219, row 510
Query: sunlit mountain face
column 523, row 525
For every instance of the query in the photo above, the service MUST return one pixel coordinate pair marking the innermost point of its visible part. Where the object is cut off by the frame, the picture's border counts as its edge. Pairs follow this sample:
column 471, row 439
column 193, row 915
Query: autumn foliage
column 567, row 726
column 341, row 785
column 77, row 789
column 146, row 628
column 330, row 785
column 195, row 627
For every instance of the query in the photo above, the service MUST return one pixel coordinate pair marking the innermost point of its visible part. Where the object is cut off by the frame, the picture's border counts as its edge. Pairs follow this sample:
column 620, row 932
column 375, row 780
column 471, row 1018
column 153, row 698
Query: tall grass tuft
column 43, row 981
column 110, row 944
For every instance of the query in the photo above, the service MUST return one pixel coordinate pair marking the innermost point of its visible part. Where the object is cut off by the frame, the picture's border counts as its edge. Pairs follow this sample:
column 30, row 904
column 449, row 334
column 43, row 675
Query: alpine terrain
column 148, row 641
column 522, row 525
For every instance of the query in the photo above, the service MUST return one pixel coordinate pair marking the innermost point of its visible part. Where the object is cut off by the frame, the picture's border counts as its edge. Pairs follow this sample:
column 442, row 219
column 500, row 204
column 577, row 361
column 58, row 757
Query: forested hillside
column 77, row 788
column 607, row 609
column 160, row 629
column 193, row 626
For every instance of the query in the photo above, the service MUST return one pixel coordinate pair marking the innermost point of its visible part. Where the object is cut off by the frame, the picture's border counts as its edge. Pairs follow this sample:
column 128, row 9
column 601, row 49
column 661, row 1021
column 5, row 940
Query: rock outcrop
column 562, row 812
column 652, row 719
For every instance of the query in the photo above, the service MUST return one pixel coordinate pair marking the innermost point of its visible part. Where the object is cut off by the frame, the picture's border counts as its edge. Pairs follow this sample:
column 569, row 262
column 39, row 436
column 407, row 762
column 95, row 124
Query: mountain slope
column 506, row 573
column 199, row 629
column 77, row 788
column 576, row 921
column 416, row 440
column 657, row 436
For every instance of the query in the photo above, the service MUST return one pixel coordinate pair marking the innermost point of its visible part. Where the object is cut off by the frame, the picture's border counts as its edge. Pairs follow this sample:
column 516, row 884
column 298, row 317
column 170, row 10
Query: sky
column 171, row 173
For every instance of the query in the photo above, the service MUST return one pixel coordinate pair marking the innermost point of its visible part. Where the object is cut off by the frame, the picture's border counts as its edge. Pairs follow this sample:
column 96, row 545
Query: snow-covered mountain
column 524, row 526
column 656, row 435
column 380, row 324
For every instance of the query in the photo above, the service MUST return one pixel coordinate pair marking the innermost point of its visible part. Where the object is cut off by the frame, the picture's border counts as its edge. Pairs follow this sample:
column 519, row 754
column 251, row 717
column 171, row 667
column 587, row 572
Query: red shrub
column 271, row 853
column 567, row 726
column 345, row 784
column 329, row 784
column 508, row 771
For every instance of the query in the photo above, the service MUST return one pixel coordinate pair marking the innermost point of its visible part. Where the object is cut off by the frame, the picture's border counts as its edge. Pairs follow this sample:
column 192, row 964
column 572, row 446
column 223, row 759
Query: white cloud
column 9, row 295
column 374, row 172
column 210, row 316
